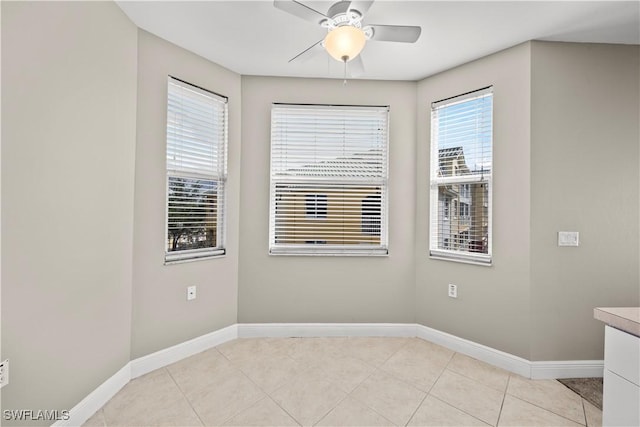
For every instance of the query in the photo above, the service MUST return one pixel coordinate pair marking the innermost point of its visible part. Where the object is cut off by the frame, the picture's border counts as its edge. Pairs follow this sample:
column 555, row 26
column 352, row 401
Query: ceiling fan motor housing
column 340, row 15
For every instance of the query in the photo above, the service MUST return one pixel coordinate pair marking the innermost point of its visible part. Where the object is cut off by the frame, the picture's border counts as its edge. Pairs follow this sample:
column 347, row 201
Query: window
column 316, row 206
column 328, row 180
column 196, row 172
column 461, row 174
column 464, row 210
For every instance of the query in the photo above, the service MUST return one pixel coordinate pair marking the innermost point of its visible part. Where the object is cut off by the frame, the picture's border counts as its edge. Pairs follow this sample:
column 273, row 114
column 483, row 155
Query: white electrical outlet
column 4, row 373
column 191, row 293
column 453, row 291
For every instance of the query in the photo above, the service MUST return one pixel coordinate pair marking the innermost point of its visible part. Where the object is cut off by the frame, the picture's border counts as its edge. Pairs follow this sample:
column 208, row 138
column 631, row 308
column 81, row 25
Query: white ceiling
column 255, row 38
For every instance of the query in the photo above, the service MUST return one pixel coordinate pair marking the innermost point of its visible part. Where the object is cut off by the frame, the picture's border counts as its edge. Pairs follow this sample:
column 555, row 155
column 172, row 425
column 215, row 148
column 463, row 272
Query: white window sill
column 191, row 256
column 305, row 251
column 465, row 258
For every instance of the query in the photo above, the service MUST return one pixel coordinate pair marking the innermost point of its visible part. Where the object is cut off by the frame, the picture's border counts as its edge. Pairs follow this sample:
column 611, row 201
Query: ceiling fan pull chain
column 344, row 82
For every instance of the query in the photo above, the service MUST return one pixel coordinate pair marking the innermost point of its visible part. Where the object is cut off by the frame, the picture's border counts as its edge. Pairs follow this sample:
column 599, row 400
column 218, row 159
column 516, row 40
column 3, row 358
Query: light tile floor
column 340, row 382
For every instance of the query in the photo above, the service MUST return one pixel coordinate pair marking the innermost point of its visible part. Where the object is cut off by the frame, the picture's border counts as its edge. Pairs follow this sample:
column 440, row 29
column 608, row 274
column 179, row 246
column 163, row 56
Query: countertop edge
column 612, row 317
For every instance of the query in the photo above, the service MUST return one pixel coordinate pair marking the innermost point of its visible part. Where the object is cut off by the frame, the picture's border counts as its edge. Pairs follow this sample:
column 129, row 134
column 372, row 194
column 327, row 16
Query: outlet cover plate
column 453, row 291
column 4, row 373
column 191, row 293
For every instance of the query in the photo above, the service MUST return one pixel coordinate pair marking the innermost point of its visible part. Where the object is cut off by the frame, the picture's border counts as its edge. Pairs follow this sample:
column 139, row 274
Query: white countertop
column 626, row 319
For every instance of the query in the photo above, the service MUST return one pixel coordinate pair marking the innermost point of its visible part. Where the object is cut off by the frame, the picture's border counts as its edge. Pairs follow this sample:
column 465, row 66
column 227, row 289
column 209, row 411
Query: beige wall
column 492, row 307
column 325, row 289
column 584, row 169
column 68, row 147
column 162, row 316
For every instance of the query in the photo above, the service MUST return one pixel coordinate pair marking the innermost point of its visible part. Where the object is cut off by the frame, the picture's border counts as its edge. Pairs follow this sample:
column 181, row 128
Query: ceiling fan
column 346, row 32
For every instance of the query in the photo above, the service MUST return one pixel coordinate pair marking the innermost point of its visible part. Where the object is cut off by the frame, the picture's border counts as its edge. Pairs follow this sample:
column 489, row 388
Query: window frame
column 331, row 186
column 315, row 205
column 465, row 182
column 217, row 177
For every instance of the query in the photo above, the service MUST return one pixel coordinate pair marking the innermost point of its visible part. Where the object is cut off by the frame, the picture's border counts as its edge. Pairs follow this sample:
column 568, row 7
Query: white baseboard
column 567, row 369
column 285, row 330
column 97, row 398
column 84, row 410
column 167, row 356
column 489, row 355
column 140, row 366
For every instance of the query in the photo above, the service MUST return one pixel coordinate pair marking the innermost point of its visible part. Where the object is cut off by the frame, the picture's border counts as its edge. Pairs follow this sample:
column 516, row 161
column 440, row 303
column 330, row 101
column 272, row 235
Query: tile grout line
column 234, row 367
column 504, row 392
column 251, row 404
column 363, row 403
column 478, row 381
column 504, row 397
column 552, row 411
column 378, row 368
column 184, row 395
column 291, row 380
column 267, row 395
column 428, row 392
column 407, row 382
column 446, row 368
column 461, row 410
column 331, row 410
column 543, row 408
column 417, row 408
column 449, row 404
column 283, row 409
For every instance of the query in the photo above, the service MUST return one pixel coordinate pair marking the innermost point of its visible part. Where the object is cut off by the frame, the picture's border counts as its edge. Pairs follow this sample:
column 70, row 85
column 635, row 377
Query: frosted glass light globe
column 345, row 43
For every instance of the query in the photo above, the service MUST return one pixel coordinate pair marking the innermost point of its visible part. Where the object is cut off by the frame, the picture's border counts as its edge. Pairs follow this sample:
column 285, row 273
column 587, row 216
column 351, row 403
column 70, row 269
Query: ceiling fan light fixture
column 345, row 42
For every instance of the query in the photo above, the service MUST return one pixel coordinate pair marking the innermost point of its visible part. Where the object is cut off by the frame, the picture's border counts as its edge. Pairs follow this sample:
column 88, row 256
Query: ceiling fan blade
column 308, row 53
column 356, row 67
column 395, row 33
column 361, row 5
column 300, row 10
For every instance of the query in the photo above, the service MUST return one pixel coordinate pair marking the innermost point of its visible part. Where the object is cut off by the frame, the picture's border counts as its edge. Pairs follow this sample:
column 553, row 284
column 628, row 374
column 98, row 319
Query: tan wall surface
column 325, row 289
column 492, row 307
column 162, row 316
column 68, row 147
column 584, row 166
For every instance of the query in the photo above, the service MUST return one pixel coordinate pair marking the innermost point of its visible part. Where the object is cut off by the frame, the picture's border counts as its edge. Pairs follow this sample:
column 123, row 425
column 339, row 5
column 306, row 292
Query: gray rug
column 590, row 389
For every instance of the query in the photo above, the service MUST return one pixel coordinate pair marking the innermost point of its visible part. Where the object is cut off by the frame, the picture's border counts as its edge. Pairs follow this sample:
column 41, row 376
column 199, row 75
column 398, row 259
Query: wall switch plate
column 4, row 373
column 191, row 293
column 453, row 291
column 568, row 238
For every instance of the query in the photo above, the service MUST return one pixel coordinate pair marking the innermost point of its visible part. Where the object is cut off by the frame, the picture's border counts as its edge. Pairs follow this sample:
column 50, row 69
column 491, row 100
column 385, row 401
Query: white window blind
column 196, row 172
column 328, row 180
column 461, row 175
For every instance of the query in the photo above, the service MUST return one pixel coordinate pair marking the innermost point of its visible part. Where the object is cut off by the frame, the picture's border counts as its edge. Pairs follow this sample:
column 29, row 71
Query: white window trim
column 480, row 259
